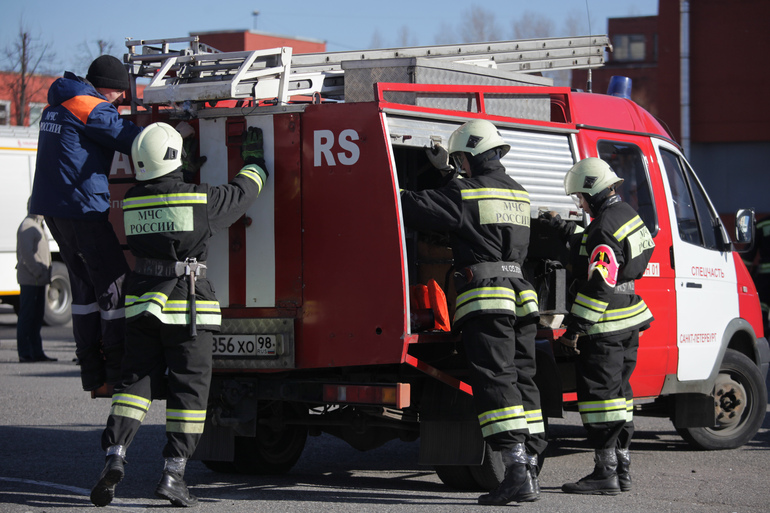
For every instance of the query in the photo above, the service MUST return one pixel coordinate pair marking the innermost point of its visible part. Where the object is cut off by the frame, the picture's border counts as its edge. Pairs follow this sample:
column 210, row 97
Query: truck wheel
column 491, row 471
column 458, row 477
column 270, row 452
column 221, row 467
column 740, row 399
column 58, row 305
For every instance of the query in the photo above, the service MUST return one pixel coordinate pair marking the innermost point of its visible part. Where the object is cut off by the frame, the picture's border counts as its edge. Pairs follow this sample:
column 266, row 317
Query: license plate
column 245, row 345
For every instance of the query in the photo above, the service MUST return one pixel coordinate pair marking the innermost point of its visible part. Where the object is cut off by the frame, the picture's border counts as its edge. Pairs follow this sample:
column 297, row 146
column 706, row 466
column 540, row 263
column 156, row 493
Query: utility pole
column 255, row 14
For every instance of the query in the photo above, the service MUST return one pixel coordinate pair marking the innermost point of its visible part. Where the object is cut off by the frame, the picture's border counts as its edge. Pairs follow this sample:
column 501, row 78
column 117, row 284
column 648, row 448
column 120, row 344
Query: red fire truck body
column 320, row 329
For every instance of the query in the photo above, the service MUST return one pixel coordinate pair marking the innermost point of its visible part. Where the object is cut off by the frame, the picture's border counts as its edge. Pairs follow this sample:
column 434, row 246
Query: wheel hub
column 729, row 401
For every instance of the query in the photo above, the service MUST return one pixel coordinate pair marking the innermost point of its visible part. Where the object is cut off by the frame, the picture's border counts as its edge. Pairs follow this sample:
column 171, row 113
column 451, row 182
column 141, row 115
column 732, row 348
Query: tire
column 458, row 477
column 491, row 471
column 221, row 467
column 270, row 452
column 483, row 478
column 58, row 305
column 740, row 399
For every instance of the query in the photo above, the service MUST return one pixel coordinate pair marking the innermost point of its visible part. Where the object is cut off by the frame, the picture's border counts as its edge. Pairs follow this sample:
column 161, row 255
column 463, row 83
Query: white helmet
column 590, row 176
column 156, row 151
column 476, row 137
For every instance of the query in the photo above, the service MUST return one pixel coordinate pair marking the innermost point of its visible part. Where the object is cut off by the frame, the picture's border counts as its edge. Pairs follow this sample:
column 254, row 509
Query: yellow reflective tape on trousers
column 610, row 410
column 535, row 424
column 130, row 406
column 510, row 418
column 161, row 200
column 496, row 298
column 185, row 421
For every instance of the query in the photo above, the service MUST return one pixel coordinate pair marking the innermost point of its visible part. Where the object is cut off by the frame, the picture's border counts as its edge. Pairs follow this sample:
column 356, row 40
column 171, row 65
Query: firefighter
column 602, row 327
column 80, row 131
column 171, row 308
column 487, row 217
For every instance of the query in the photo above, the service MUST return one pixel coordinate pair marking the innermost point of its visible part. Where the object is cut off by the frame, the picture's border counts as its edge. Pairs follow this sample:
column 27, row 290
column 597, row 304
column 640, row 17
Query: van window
column 628, row 163
column 698, row 223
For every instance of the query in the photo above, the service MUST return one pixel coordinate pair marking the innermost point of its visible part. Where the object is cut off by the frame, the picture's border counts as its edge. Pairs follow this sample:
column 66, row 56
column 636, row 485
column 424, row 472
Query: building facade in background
column 703, row 67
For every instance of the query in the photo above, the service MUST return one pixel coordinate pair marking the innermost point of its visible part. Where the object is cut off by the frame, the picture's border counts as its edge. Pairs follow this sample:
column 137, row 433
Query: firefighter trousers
column 501, row 358
column 162, row 360
column 605, row 397
column 97, row 269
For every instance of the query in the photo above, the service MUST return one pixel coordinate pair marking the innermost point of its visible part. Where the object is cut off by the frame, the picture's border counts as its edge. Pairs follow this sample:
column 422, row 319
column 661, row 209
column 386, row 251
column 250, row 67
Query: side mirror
column 744, row 229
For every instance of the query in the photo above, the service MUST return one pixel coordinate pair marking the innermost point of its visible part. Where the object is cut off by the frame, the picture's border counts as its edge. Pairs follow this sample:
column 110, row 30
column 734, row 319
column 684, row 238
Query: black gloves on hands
column 190, row 163
column 568, row 344
column 251, row 147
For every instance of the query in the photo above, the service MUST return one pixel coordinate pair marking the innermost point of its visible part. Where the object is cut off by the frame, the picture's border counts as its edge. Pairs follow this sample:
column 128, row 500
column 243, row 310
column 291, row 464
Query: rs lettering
column 323, row 146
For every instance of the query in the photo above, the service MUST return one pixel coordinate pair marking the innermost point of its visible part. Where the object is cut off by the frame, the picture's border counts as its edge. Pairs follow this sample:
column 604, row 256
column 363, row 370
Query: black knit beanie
column 108, row 72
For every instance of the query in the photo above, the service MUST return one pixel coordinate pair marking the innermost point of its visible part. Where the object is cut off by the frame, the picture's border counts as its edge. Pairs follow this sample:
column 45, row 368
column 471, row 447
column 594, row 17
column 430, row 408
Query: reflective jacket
column 169, row 220
column 487, row 218
column 606, row 259
column 80, row 131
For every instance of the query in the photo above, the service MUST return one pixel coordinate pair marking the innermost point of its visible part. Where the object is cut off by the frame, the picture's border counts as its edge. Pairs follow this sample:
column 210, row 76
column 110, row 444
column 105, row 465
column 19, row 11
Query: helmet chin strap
column 601, row 199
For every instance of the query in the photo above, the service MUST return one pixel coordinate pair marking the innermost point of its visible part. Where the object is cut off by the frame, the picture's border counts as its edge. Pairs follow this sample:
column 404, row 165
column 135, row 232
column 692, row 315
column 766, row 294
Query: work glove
column 439, row 157
column 568, row 344
column 191, row 164
column 251, row 147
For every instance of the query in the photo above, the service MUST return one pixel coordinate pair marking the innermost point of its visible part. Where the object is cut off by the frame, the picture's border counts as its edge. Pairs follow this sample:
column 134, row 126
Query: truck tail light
column 397, row 395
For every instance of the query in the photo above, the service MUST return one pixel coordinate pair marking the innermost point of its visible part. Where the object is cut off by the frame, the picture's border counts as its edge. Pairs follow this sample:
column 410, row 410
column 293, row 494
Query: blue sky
column 71, row 26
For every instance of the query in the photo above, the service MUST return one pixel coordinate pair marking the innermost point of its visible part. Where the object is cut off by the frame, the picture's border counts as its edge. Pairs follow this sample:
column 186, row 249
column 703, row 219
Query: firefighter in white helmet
column 171, row 309
column 487, row 217
column 602, row 327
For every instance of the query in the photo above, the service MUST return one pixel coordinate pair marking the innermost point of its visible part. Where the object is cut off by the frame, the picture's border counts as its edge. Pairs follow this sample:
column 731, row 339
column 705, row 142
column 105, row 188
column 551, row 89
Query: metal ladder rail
column 501, row 52
column 203, row 73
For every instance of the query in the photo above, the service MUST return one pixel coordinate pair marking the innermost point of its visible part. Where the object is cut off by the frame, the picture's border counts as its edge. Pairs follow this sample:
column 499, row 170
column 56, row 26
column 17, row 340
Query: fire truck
column 326, row 327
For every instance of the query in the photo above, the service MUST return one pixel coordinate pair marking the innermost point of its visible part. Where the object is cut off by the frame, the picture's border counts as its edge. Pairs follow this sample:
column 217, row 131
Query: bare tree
column 27, row 56
column 91, row 50
column 479, row 25
column 531, row 25
column 446, row 34
column 406, row 37
column 376, row 41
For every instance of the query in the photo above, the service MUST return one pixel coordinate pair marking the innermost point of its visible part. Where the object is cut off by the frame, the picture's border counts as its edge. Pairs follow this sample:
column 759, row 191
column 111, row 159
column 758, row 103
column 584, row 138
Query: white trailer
column 18, row 152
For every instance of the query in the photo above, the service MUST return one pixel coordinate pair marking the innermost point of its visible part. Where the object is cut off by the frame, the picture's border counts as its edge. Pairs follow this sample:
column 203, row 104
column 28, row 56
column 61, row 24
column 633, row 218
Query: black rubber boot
column 104, row 490
column 517, row 485
column 533, row 465
column 624, row 466
column 602, row 481
column 172, row 486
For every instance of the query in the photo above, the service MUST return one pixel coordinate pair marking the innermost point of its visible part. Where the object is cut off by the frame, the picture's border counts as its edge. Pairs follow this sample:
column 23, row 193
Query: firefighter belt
column 174, row 269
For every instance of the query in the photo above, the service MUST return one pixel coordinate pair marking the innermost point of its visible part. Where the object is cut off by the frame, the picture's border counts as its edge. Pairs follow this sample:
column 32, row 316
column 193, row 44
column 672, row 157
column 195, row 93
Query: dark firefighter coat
column 487, row 218
column 170, row 220
column 606, row 259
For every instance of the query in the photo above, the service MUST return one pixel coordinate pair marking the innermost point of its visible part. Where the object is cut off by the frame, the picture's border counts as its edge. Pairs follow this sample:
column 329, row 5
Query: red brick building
column 702, row 67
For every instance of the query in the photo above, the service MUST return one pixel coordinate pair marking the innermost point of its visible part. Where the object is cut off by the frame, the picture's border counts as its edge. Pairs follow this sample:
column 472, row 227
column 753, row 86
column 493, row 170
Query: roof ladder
column 197, row 72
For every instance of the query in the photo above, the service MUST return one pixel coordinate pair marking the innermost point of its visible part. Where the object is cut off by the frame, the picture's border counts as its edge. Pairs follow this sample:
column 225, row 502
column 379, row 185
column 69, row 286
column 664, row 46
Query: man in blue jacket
column 80, row 131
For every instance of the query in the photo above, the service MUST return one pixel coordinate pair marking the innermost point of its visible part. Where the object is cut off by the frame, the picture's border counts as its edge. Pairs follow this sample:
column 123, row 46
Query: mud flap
column 449, row 428
column 694, row 410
